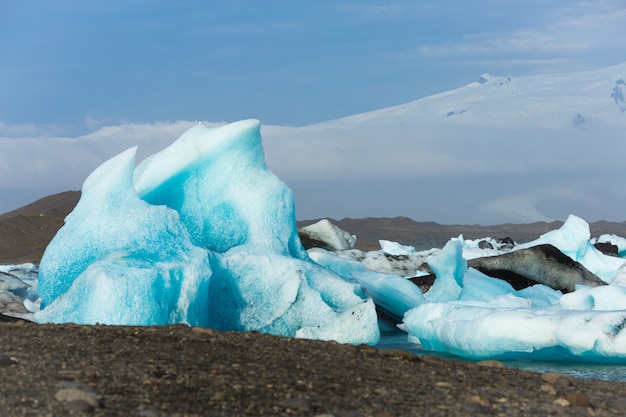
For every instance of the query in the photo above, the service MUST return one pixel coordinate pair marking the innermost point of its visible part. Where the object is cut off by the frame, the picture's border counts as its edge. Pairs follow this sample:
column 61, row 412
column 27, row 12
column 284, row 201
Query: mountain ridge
column 25, row 232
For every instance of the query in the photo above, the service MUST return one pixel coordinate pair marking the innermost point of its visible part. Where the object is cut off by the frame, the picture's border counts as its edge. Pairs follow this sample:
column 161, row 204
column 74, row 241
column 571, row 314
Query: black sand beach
column 57, row 370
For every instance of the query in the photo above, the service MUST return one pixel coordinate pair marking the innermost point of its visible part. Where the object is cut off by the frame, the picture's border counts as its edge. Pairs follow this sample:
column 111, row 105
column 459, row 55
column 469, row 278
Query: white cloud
column 518, row 208
column 525, row 206
column 35, row 158
column 28, row 130
column 573, row 34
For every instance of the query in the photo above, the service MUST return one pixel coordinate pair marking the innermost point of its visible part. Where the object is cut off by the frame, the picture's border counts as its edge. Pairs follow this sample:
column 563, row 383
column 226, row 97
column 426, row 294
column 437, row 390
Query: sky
column 75, row 69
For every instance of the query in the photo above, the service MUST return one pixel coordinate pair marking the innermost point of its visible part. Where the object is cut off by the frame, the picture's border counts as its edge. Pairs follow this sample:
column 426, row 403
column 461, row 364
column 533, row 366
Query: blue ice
column 199, row 233
column 479, row 317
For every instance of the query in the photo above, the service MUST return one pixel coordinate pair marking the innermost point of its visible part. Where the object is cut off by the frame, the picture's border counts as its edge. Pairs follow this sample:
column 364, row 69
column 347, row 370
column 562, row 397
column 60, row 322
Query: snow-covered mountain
column 558, row 101
column 503, row 148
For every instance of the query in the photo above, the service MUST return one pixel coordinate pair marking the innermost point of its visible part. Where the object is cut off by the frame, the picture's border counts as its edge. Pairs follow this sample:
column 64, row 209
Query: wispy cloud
column 26, row 130
column 531, row 205
column 572, row 34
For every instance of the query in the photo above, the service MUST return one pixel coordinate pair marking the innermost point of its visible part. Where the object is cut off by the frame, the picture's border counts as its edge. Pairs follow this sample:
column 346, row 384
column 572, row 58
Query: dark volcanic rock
column 541, row 264
column 607, row 248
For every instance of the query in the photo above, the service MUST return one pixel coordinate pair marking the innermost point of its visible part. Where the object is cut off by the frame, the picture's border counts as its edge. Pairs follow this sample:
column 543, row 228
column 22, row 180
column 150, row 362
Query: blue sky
column 106, row 75
column 81, row 64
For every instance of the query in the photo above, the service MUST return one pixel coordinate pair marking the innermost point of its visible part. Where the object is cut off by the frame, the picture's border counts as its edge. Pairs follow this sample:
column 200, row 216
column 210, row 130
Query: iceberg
column 325, row 233
column 477, row 317
column 483, row 330
column 394, row 248
column 574, row 240
column 199, row 233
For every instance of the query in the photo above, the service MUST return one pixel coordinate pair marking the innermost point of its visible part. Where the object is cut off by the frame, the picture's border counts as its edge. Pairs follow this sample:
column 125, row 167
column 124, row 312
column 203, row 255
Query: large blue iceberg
column 199, row 233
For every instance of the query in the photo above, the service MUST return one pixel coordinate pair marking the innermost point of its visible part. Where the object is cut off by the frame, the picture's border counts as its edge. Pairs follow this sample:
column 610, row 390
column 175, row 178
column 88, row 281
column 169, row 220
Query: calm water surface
column 611, row 372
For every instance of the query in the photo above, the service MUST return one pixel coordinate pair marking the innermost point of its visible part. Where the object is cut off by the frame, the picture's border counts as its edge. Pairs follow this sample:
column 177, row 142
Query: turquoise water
column 610, row 372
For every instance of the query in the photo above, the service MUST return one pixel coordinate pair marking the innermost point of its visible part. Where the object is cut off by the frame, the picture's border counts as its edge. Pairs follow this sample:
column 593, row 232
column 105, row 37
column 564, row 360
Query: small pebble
column 491, row 364
column 71, row 392
column 78, row 405
column 6, row 360
column 477, row 404
column 556, row 378
column 562, row 402
column 399, row 354
column 296, row 404
column 477, row 399
column 617, row 404
column 578, row 399
column 547, row 388
column 202, row 330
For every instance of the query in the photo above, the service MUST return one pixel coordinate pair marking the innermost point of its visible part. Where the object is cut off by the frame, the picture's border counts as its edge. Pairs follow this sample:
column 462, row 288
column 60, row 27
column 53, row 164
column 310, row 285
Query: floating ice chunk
column 484, row 331
column 491, row 243
column 394, row 294
column 394, row 248
column 476, row 316
column 473, row 253
column 345, row 261
column 333, row 237
column 28, row 274
column 486, row 246
column 449, row 267
column 33, row 306
column 573, row 239
column 19, row 270
column 9, row 282
column 13, row 305
column 334, row 261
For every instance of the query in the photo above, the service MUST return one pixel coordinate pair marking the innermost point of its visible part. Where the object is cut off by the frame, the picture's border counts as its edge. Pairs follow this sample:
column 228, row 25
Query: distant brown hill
column 426, row 235
column 25, row 232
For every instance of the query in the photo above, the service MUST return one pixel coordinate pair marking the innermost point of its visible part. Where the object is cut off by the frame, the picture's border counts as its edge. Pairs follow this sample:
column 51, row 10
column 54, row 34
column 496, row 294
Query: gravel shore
column 58, row 370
